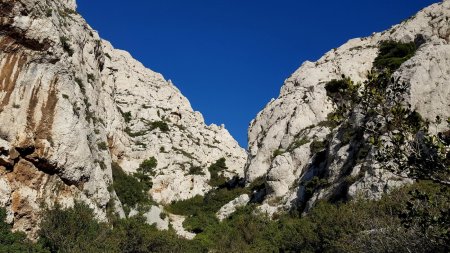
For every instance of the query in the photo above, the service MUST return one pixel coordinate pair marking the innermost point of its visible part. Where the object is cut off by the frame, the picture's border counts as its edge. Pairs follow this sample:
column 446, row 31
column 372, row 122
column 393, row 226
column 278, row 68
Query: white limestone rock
column 71, row 104
column 155, row 216
column 177, row 224
column 303, row 106
column 231, row 207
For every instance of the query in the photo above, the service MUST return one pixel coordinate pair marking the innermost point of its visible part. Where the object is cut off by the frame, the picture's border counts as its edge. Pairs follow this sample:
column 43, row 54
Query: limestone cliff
column 71, row 105
column 302, row 157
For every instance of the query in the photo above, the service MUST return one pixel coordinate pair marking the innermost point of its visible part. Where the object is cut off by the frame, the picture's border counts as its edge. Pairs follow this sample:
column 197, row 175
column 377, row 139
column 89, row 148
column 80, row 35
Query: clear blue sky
column 230, row 57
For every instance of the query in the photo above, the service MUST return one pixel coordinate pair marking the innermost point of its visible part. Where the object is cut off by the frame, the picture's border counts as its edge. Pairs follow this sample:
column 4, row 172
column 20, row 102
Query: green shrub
column 258, row 184
column 129, row 189
column 74, row 230
column 15, row 242
column 126, row 116
column 201, row 211
column 336, row 86
column 186, row 207
column 81, row 85
column 392, row 54
column 413, row 217
column 216, row 169
column 195, row 170
column 48, row 12
column 148, row 165
column 277, row 153
column 342, row 91
column 159, row 124
column 298, row 143
column 317, row 146
column 66, row 46
column 102, row 145
column 134, row 134
column 314, row 184
column 90, row 77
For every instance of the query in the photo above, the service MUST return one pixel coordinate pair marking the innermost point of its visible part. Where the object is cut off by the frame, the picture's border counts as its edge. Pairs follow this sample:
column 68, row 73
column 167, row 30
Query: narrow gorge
column 86, row 126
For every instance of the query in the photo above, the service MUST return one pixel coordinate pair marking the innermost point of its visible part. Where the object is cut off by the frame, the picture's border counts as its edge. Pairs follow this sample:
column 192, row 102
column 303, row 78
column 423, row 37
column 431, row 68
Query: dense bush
column 76, row 230
column 411, row 219
column 159, row 124
column 360, row 226
column 148, row 165
column 128, row 188
column 126, row 116
column 196, row 170
column 201, row 211
column 317, row 146
column 15, row 242
column 216, row 169
column 102, row 145
column 392, row 54
column 66, row 45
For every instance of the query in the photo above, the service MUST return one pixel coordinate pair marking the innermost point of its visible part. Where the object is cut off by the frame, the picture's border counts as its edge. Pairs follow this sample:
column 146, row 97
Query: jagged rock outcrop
column 71, row 104
column 285, row 133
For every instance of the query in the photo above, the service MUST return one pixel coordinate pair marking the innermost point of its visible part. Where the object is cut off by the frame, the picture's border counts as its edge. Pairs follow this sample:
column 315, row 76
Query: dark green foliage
column 48, row 12
column 314, row 184
column 70, row 11
column 90, row 77
column 186, row 207
column 277, row 153
column 348, row 134
column 412, row 219
column 81, row 85
column 134, row 236
column 135, row 134
column 76, row 230
column 126, row 116
column 148, row 165
column 159, row 124
column 392, row 54
column 217, row 179
column 102, row 145
column 66, row 45
column 195, row 170
column 15, row 242
column 73, row 230
column 428, row 212
column 336, row 86
column 298, row 143
column 188, row 155
column 243, row 232
column 317, row 146
column 341, row 91
column 258, row 184
column 201, row 211
column 362, row 226
column 128, row 188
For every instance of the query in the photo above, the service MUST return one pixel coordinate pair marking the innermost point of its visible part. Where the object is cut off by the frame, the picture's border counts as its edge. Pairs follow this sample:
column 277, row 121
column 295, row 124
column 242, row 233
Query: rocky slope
column 71, row 105
column 299, row 144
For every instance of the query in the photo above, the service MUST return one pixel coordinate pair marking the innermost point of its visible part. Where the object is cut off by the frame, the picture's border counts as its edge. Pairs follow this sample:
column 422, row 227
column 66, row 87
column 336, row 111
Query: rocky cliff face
column 71, row 105
column 300, row 143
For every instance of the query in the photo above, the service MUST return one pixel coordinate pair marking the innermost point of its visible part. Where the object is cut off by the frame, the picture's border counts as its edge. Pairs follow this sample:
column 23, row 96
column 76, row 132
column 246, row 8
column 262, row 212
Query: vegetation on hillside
column 411, row 219
column 415, row 218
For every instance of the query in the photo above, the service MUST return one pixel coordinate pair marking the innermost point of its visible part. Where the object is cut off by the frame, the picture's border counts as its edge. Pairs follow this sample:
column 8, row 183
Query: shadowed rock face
column 281, row 135
column 65, row 94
